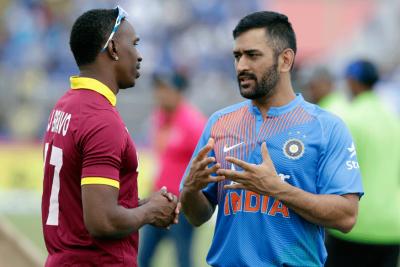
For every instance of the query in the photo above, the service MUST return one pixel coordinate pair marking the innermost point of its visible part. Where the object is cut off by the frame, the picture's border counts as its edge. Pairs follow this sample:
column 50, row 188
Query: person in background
column 375, row 239
column 319, row 88
column 177, row 126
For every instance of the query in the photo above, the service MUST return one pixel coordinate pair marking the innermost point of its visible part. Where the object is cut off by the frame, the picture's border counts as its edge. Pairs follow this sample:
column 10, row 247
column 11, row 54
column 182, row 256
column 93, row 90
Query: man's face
column 128, row 65
column 256, row 65
column 166, row 97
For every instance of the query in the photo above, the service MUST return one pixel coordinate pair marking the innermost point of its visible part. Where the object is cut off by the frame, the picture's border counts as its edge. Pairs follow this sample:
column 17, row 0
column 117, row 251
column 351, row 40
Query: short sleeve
column 211, row 190
column 102, row 144
column 338, row 168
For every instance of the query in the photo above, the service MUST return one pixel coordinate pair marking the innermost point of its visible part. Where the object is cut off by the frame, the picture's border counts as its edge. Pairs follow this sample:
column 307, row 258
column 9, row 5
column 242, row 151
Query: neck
column 101, row 74
column 283, row 95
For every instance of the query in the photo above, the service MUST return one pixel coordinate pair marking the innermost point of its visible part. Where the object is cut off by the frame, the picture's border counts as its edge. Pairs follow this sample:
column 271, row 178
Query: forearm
column 105, row 218
column 196, row 207
column 332, row 211
column 120, row 222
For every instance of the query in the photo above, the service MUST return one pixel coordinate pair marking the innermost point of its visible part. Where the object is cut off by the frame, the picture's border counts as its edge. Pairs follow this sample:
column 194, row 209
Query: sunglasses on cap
column 121, row 15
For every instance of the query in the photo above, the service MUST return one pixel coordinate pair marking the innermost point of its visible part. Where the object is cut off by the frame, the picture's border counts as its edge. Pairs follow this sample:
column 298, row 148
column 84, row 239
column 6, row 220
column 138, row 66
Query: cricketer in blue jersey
column 279, row 168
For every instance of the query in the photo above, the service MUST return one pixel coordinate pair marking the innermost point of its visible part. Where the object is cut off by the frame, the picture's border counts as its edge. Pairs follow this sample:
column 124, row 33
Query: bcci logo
column 293, row 148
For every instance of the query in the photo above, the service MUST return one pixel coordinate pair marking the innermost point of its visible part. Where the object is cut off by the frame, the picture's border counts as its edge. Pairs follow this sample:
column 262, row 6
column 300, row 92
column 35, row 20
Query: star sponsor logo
column 352, row 150
column 352, row 164
column 229, row 148
column 293, row 148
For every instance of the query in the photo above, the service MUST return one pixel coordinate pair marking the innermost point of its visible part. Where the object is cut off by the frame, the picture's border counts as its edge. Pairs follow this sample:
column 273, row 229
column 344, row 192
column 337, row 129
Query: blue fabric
column 181, row 234
column 311, row 149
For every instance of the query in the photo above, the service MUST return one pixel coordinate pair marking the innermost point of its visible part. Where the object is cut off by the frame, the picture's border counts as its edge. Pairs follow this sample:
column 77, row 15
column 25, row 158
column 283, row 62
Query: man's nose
column 242, row 64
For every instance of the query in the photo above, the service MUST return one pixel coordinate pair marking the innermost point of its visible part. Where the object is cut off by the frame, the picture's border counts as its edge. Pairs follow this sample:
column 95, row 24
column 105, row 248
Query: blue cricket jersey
column 311, row 149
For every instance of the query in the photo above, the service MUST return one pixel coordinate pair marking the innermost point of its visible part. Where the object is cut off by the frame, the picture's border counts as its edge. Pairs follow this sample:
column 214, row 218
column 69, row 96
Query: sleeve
column 102, row 144
column 338, row 168
column 211, row 190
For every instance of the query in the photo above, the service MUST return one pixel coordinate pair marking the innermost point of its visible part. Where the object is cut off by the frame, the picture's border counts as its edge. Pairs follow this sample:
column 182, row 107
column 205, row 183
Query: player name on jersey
column 59, row 122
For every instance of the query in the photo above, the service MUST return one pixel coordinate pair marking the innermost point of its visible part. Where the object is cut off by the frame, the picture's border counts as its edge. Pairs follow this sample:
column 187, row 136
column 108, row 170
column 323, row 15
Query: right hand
column 164, row 208
column 200, row 174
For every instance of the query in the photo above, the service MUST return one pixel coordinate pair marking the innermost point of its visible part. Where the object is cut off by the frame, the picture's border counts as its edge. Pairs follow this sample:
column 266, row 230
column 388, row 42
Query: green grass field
column 20, row 192
column 30, row 226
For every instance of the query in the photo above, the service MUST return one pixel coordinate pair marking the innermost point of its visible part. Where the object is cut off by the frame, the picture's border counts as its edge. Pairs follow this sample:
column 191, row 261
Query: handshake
column 163, row 208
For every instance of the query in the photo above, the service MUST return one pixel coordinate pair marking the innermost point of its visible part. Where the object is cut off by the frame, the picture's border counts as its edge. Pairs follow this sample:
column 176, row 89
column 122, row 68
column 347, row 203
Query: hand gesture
column 164, row 208
column 171, row 197
column 261, row 179
column 200, row 174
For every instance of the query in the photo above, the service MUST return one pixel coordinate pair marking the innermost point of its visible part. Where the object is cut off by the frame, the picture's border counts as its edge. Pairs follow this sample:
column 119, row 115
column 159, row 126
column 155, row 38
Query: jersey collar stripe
column 95, row 85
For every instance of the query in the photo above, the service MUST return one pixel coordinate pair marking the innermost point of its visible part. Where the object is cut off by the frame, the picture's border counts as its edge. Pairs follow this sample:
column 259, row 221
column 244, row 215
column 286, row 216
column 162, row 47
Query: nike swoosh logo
column 226, row 149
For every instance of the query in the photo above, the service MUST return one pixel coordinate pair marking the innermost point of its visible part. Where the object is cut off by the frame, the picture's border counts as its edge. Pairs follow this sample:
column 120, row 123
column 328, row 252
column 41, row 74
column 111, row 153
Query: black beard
column 266, row 87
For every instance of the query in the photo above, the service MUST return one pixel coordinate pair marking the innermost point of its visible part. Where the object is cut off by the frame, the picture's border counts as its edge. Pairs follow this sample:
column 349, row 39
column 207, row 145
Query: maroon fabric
column 94, row 142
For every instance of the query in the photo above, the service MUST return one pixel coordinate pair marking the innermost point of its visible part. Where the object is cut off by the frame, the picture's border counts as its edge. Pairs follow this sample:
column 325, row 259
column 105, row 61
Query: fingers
column 214, row 168
column 205, row 162
column 234, row 186
column 163, row 190
column 244, row 165
column 207, row 148
column 214, row 179
column 177, row 210
column 171, row 197
column 232, row 175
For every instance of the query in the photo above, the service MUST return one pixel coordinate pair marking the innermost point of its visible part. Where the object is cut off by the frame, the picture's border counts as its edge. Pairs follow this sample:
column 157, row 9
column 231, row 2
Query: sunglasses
column 121, row 15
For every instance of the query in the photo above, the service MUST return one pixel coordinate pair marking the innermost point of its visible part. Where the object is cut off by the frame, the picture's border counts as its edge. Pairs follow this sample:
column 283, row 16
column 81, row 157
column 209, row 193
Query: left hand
column 261, row 179
column 172, row 198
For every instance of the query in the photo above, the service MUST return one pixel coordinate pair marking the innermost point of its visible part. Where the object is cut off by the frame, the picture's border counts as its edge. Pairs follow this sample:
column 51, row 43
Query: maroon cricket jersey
column 86, row 142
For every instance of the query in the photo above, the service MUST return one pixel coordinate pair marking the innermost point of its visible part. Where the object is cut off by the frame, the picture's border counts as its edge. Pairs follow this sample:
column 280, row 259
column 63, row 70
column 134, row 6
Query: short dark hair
column 277, row 27
column 90, row 32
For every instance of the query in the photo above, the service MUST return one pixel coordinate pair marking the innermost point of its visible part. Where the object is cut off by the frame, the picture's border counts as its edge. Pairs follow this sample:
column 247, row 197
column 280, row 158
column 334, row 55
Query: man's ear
column 286, row 60
column 112, row 50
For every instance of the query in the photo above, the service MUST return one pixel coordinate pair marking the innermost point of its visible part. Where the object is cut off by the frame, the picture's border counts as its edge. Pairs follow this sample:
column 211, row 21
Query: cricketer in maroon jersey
column 90, row 207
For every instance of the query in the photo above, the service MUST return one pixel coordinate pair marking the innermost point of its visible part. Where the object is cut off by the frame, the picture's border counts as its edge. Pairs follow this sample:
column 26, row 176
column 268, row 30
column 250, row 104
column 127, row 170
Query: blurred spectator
column 177, row 127
column 174, row 33
column 375, row 239
column 320, row 89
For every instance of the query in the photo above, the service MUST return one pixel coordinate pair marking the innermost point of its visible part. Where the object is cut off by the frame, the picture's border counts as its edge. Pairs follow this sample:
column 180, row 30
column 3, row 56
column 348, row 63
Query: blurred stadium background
column 35, row 65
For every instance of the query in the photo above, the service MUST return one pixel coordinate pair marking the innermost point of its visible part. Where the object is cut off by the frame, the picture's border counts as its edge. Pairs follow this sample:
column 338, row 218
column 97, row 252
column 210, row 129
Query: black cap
column 175, row 79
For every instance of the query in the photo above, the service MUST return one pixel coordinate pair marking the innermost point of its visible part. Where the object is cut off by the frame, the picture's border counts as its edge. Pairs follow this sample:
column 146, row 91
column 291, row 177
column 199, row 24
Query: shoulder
column 326, row 119
column 101, row 123
column 229, row 110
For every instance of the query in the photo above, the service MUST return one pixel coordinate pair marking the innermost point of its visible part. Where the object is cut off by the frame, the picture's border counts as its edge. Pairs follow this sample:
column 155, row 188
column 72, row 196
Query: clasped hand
column 165, row 208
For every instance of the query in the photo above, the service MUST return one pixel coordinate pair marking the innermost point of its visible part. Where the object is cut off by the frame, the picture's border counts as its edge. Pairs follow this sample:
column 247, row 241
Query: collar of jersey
column 86, row 83
column 276, row 111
